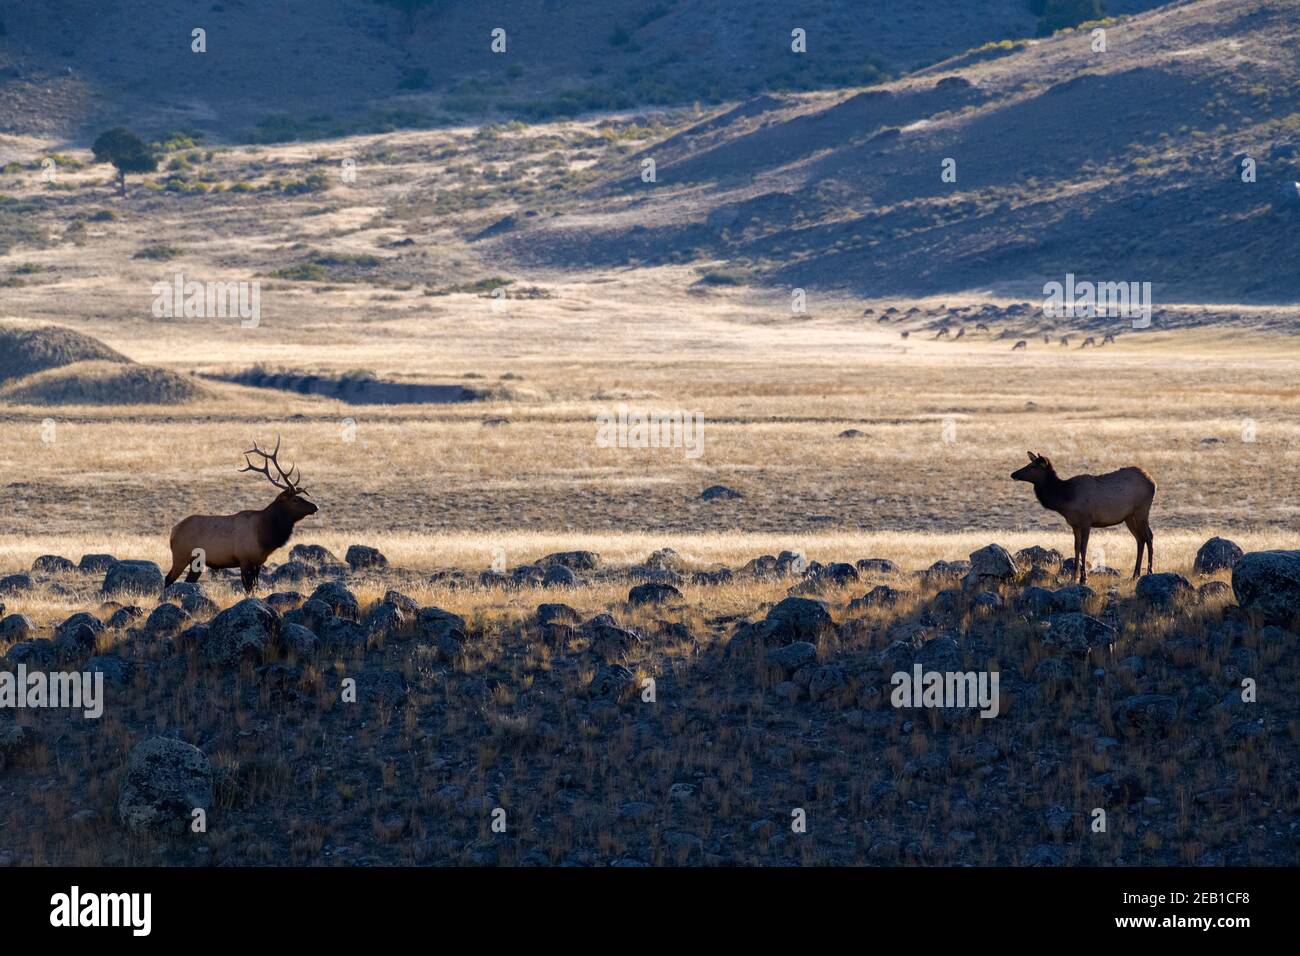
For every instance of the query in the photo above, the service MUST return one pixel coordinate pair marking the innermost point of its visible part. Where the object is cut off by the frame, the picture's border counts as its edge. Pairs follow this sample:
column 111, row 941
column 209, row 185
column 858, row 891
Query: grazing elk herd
column 246, row 539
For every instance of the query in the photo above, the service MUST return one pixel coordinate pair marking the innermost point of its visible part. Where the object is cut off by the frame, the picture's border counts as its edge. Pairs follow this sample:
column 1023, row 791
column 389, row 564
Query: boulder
column 876, row 566
column 1073, row 597
column 166, row 781
column 15, row 628
column 96, row 563
column 124, row 617
column 338, row 635
column 314, row 556
column 15, row 583
column 557, row 613
column 1217, row 554
column 402, row 602
column 1145, row 714
column 291, row 572
column 1036, row 557
column 712, row 578
column 1165, row 590
column 993, row 561
column 720, row 493
column 241, row 632
column 133, row 577
column 166, row 620
column 559, row 576
column 386, row 621
column 939, row 654
column 1267, row 586
column 297, row 641
column 826, row 681
column 573, row 560
column 52, row 564
column 807, row 619
column 360, row 558
column 431, row 622
column 611, row 682
column 340, row 600
column 882, row 595
column 17, row 741
column 117, row 670
column 791, row 657
column 1076, row 633
column 653, row 594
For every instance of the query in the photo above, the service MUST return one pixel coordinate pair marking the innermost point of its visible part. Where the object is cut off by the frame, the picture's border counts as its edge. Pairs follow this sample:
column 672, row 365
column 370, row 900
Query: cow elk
column 1095, row 501
column 246, row 539
column 1022, row 344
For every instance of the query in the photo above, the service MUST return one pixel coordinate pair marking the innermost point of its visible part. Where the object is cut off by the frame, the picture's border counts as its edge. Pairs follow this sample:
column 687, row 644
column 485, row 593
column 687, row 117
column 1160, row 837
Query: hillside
column 1119, row 166
column 320, row 66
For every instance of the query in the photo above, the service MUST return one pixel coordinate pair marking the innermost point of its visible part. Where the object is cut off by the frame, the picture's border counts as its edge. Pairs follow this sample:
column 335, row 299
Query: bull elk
column 1095, row 501
column 246, row 539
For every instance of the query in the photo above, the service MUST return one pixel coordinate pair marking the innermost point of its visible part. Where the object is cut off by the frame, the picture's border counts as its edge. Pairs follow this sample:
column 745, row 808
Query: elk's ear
column 1033, row 457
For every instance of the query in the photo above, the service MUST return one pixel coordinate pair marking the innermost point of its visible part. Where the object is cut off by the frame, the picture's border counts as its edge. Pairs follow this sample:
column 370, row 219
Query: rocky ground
column 335, row 720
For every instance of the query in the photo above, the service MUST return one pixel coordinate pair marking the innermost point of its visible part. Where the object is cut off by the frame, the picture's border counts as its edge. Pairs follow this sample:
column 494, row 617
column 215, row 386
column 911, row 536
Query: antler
column 290, row 482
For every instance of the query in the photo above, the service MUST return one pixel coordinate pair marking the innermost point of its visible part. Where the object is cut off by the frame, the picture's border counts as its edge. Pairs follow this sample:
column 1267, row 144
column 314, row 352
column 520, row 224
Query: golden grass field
column 1213, row 413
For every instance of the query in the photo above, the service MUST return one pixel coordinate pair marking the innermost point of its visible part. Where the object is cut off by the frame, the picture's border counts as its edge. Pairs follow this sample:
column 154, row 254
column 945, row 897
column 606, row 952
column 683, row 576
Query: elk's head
column 1034, row 472
column 293, row 498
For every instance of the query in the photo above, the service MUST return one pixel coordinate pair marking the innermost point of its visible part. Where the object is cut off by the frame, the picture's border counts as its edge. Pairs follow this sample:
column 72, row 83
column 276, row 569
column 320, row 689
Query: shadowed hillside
column 1123, row 165
column 315, row 66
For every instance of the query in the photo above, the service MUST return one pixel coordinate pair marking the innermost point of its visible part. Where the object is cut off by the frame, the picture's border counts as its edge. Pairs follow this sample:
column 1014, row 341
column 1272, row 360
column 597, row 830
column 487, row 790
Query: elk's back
column 225, row 539
column 1111, row 498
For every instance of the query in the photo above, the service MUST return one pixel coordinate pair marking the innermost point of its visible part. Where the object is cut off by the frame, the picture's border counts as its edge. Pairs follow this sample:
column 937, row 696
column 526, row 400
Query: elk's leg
column 178, row 566
column 1083, row 553
column 248, row 577
column 1077, row 561
column 192, row 576
column 1146, row 531
column 1135, row 528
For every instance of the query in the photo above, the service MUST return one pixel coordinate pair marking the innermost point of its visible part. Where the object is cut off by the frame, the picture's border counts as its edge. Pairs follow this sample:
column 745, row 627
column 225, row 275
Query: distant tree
column 1059, row 14
column 126, row 151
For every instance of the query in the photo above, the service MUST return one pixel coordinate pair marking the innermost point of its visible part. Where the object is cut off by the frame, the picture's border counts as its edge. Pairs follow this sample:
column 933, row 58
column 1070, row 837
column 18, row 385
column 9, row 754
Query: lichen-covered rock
column 315, row 556
column 96, row 563
column 1145, row 714
column 1217, row 554
column 558, row 576
column 166, row 781
column 361, row 557
column 15, row 628
column 791, row 657
column 1165, row 590
column 993, row 561
column 52, row 564
column 653, row 594
column 1038, row 557
column 1076, row 633
column 573, row 560
column 341, row 601
column 241, row 632
column 807, row 619
column 133, row 577
column 1267, row 586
